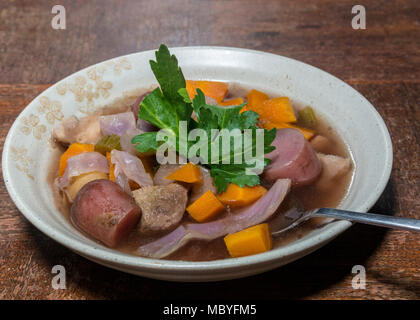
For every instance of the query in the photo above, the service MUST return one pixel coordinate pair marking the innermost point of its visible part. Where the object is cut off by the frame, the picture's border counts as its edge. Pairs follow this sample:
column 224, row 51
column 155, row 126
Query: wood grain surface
column 382, row 62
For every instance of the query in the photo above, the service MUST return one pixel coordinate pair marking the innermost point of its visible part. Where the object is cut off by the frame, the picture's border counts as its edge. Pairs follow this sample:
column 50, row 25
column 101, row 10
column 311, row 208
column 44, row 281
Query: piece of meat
column 199, row 188
column 84, row 130
column 320, row 144
column 104, row 211
column 162, row 207
column 333, row 167
column 293, row 158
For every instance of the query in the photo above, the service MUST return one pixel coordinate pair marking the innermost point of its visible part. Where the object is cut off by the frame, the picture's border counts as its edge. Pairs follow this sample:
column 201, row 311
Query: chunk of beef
column 162, row 207
column 333, row 167
column 84, row 130
column 320, row 144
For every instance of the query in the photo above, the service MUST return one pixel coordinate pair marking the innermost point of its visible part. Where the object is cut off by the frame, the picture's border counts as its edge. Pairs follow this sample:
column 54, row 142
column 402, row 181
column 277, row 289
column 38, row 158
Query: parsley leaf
column 215, row 117
column 166, row 106
column 146, row 141
column 170, row 78
column 163, row 107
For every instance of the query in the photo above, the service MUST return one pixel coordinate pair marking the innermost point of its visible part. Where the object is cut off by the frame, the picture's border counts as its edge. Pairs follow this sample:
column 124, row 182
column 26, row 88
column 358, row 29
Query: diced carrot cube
column 256, row 98
column 111, row 167
column 253, row 240
column 232, row 102
column 278, row 110
column 189, row 173
column 213, row 89
column 236, row 196
column 205, row 207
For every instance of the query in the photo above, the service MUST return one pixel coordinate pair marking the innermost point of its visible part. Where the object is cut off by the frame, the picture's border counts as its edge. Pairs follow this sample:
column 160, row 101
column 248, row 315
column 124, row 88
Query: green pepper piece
column 108, row 143
column 307, row 117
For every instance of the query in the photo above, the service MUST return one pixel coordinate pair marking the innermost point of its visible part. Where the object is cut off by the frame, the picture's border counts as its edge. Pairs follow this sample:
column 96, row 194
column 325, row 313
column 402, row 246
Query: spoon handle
column 370, row 218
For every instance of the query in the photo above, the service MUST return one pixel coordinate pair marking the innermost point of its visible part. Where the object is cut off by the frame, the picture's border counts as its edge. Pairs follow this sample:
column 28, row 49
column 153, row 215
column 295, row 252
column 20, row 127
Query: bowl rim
column 308, row 244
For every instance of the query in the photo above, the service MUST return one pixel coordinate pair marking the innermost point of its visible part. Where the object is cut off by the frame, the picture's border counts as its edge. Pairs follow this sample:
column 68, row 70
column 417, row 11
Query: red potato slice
column 104, row 211
column 293, row 158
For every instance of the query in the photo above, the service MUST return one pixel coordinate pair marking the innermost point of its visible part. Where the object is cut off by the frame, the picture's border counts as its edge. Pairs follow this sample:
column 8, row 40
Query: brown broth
column 309, row 197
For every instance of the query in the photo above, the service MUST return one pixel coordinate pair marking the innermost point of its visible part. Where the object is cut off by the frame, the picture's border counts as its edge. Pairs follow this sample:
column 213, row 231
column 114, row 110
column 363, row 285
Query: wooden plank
column 319, row 33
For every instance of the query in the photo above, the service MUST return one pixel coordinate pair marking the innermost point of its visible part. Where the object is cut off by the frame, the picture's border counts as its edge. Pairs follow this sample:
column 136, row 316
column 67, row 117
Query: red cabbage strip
column 131, row 167
column 118, row 123
column 82, row 163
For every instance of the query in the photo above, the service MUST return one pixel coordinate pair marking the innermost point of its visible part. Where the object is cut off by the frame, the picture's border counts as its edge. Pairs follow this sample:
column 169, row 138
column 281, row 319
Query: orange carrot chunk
column 253, row 240
column 73, row 150
column 205, row 207
column 189, row 173
column 111, row 167
column 236, row 196
column 213, row 89
column 232, row 102
column 275, row 110
column 279, row 110
column 256, row 98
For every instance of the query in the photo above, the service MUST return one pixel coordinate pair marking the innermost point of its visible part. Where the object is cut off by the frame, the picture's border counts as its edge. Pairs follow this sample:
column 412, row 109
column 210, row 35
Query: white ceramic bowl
column 27, row 149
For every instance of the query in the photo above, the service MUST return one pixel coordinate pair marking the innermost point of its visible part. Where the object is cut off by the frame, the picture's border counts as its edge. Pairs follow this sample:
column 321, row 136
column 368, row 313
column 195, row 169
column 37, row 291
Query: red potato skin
column 105, row 212
column 293, row 158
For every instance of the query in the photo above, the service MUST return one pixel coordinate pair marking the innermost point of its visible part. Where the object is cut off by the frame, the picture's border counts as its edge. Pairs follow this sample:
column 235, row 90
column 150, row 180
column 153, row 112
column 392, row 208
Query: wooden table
column 382, row 62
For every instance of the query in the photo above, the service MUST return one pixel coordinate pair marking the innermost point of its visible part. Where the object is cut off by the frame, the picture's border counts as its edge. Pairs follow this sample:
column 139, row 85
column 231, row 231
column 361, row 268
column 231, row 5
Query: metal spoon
column 296, row 216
